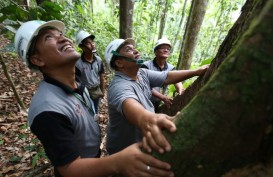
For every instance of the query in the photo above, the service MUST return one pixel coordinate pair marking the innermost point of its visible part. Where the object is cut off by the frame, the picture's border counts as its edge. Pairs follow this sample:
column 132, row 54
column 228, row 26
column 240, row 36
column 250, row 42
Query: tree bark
column 195, row 20
column 249, row 12
column 180, row 24
column 39, row 2
column 228, row 124
column 126, row 19
column 163, row 20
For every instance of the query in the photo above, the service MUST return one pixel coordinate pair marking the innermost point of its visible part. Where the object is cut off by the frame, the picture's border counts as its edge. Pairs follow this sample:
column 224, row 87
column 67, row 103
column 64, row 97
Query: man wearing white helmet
column 162, row 51
column 91, row 67
column 131, row 113
column 61, row 114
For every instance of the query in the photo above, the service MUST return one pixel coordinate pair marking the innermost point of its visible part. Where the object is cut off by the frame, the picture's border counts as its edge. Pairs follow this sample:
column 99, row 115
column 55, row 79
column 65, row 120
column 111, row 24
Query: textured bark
column 163, row 20
column 228, row 124
column 180, row 23
column 249, row 11
column 39, row 2
column 195, row 21
column 126, row 19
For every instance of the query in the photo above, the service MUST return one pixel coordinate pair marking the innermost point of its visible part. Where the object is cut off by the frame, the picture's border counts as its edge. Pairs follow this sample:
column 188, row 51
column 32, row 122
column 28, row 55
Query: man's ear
column 35, row 60
column 119, row 63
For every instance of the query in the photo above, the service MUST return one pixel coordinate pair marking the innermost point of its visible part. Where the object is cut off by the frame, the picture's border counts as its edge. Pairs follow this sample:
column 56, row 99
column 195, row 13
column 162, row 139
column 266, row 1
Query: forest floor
column 21, row 154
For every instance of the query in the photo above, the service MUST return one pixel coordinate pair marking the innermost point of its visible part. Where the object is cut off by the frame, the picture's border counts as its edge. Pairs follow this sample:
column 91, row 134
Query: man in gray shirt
column 162, row 50
column 131, row 113
column 91, row 67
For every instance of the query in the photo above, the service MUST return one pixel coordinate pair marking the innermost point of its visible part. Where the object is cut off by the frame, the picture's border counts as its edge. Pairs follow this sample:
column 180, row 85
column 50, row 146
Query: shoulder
column 170, row 66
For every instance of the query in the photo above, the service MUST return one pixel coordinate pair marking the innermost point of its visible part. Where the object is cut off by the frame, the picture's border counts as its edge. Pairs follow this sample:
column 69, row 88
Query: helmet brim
column 53, row 23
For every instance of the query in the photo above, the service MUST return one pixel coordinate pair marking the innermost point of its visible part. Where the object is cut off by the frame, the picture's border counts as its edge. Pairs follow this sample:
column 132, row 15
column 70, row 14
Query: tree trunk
column 249, row 11
column 195, row 21
column 163, row 20
column 126, row 19
column 39, row 2
column 229, row 122
column 180, row 24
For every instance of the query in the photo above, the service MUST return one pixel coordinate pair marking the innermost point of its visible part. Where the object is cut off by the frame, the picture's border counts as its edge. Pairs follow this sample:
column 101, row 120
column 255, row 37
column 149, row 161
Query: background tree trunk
column 163, row 19
column 229, row 122
column 41, row 1
column 126, row 19
column 191, row 34
column 180, row 24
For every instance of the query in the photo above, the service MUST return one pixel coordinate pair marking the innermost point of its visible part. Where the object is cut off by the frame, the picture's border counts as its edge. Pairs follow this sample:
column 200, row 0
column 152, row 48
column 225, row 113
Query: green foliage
column 1, row 139
column 39, row 155
column 15, row 159
column 13, row 15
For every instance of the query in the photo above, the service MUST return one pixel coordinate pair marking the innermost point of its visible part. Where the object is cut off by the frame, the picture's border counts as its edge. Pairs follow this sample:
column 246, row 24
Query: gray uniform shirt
column 120, row 132
column 90, row 72
column 152, row 65
column 50, row 97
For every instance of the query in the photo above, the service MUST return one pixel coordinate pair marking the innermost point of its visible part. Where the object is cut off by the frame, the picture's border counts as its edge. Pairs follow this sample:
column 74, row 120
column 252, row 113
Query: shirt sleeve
column 101, row 68
column 144, row 66
column 56, row 133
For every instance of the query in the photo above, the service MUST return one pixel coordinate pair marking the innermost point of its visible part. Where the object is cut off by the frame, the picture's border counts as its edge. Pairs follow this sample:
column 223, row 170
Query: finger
column 167, row 123
column 159, row 172
column 173, row 118
column 153, row 142
column 155, row 163
column 160, row 140
column 145, row 145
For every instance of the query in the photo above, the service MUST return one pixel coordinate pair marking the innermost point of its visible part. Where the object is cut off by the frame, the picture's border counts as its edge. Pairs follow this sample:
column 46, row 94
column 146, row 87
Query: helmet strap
column 138, row 61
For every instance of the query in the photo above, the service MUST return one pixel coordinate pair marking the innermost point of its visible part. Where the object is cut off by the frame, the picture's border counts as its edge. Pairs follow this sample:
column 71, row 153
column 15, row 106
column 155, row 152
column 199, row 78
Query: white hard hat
column 83, row 35
column 27, row 31
column 161, row 42
column 113, row 46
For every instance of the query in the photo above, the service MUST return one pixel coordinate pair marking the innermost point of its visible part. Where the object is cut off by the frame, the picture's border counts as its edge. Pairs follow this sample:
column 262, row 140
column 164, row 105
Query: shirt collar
column 122, row 75
column 84, row 60
column 156, row 65
column 65, row 88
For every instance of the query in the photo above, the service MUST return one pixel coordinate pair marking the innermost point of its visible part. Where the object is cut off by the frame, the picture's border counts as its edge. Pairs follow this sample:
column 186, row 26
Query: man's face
column 163, row 51
column 88, row 45
column 55, row 50
column 128, row 50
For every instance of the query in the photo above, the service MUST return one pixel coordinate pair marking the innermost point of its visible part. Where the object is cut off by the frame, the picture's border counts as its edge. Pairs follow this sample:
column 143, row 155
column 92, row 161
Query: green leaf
column 15, row 159
column 205, row 62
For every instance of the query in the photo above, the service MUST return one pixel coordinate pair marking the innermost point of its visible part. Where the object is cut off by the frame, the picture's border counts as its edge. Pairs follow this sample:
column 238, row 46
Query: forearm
column 90, row 167
column 135, row 112
column 180, row 75
column 102, row 83
column 157, row 94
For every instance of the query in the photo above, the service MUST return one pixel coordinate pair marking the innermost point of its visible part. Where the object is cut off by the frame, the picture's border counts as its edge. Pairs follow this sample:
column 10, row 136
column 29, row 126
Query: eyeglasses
column 165, row 47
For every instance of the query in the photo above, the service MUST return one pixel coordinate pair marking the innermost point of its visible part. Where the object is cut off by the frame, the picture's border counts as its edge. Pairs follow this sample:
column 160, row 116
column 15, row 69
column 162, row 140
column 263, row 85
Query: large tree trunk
column 195, row 20
column 126, row 19
column 249, row 11
column 228, row 124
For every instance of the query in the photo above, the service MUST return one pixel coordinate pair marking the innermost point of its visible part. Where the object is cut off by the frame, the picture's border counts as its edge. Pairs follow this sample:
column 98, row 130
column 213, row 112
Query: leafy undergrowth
column 21, row 154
